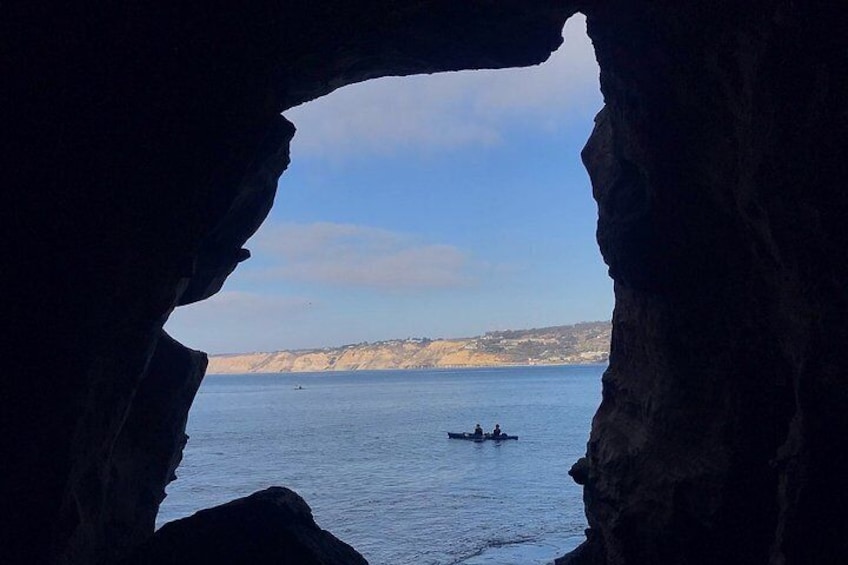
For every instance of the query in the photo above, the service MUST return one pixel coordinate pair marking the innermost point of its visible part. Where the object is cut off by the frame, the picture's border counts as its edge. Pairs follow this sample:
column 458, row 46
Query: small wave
column 492, row 544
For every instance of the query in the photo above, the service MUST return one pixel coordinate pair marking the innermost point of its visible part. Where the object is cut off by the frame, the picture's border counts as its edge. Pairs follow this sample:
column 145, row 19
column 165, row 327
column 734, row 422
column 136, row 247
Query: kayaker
column 478, row 431
column 497, row 431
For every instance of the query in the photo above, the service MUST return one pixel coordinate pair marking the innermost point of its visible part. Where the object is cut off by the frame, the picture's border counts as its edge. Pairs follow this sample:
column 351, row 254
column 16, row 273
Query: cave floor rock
column 273, row 526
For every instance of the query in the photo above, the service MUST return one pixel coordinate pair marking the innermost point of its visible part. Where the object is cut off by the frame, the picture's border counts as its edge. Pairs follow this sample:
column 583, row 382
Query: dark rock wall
column 719, row 166
column 141, row 147
column 148, row 449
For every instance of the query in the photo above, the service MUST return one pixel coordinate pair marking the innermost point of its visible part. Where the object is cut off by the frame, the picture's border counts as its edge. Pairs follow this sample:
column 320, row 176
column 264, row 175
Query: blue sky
column 444, row 205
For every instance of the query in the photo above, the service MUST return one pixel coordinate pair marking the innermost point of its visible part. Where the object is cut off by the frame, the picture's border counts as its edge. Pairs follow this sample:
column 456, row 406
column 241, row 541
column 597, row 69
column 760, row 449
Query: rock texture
column 719, row 166
column 142, row 144
column 148, row 450
column 273, row 527
column 587, row 342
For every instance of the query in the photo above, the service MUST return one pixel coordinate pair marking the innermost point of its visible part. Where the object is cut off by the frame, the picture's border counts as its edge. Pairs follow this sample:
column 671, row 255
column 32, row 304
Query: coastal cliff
column 586, row 342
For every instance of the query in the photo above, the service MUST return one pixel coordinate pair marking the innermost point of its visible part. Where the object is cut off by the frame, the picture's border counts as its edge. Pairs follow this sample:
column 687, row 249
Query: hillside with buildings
column 586, row 342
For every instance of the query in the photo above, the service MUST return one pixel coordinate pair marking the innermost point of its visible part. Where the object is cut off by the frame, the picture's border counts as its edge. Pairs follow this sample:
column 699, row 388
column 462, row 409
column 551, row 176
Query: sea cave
column 145, row 143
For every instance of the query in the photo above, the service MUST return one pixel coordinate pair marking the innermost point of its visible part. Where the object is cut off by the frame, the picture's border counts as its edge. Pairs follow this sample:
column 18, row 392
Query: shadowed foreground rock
column 719, row 167
column 273, row 526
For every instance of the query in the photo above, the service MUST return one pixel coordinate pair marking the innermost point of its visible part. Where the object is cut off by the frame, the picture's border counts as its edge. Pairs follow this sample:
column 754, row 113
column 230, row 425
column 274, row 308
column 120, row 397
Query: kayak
column 484, row 437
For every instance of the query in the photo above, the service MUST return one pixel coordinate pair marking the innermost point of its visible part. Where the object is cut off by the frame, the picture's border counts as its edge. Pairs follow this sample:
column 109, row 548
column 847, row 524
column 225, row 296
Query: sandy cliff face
column 409, row 356
column 581, row 343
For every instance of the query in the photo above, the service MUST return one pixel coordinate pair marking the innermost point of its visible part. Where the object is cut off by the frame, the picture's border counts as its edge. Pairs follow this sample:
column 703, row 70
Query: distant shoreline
column 410, row 369
column 577, row 344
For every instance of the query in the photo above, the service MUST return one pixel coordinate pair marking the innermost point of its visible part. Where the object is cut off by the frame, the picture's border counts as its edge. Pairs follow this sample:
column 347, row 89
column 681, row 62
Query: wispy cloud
column 449, row 110
column 241, row 321
column 246, row 306
column 358, row 256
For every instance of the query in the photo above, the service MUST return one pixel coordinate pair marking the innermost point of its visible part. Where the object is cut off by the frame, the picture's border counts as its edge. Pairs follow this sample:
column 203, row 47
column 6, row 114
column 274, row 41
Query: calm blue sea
column 369, row 453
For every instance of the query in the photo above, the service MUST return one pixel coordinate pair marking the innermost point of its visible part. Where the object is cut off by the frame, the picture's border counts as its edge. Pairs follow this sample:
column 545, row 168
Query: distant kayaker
column 478, row 431
column 497, row 431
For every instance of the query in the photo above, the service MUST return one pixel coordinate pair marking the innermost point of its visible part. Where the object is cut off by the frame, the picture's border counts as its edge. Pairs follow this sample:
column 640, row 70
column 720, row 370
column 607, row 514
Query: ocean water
column 369, row 453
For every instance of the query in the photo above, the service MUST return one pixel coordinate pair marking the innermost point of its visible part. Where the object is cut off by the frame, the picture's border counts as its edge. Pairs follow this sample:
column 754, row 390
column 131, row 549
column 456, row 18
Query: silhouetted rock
column 719, row 164
column 589, row 552
column 149, row 448
column 273, row 526
column 580, row 471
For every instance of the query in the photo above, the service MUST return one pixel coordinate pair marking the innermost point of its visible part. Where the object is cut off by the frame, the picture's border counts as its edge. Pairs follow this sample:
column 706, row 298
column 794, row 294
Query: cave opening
column 409, row 202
